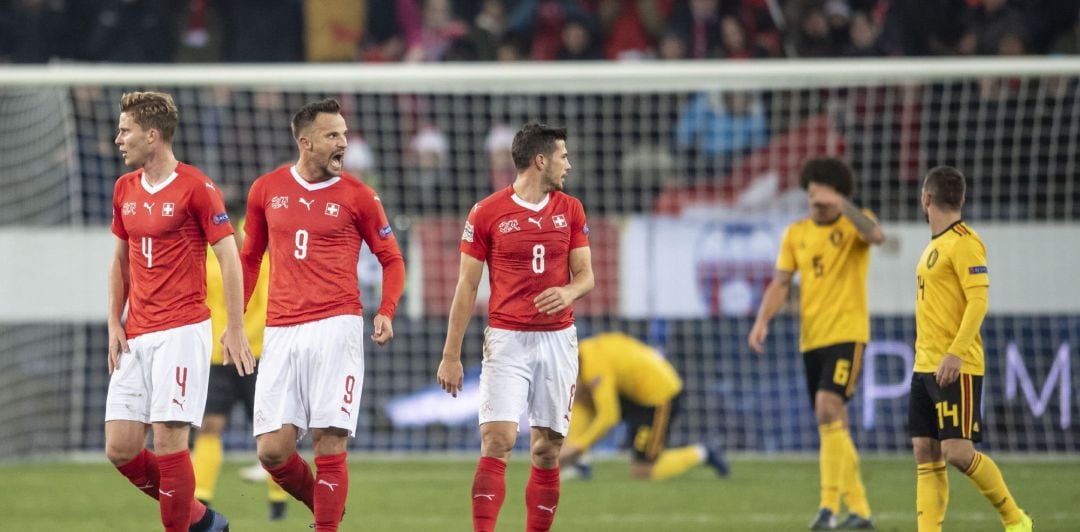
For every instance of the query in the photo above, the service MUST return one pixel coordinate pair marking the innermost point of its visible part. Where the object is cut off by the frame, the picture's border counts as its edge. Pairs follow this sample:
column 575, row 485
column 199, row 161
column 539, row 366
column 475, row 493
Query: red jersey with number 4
column 527, row 249
column 315, row 231
column 167, row 227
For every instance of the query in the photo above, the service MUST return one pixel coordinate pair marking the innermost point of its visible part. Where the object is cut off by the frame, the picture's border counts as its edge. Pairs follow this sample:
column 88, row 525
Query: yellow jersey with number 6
column 832, row 261
column 953, row 262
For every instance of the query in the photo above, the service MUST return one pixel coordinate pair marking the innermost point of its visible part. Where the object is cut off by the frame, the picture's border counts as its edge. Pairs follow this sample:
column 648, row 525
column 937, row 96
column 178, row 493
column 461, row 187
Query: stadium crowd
column 511, row 30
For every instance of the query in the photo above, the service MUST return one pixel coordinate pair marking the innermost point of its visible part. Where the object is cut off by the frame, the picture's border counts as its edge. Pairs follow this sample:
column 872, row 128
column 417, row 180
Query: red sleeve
column 474, row 238
column 376, row 231
column 208, row 209
column 255, row 239
column 579, row 228
column 117, row 216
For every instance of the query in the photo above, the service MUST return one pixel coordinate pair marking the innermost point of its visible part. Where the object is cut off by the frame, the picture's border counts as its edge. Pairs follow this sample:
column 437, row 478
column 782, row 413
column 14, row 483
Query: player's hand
column 237, row 351
column 451, row 375
column 117, row 344
column 758, row 332
column 825, row 195
column 554, row 300
column 948, row 371
column 384, row 330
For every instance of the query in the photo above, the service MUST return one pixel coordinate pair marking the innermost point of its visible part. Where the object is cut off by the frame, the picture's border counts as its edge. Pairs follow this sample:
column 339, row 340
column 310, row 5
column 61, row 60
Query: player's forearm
column 582, row 283
column 867, row 226
column 775, row 295
column 974, row 313
column 460, row 314
column 393, row 282
column 118, row 291
column 233, row 281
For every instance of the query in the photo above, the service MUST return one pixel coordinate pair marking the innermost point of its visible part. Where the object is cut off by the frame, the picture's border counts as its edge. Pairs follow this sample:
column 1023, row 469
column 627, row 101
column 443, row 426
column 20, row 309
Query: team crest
column 560, row 221
column 130, row 208
column 167, row 209
column 836, row 237
column 508, row 225
column 279, row 202
column 932, row 259
column 332, row 209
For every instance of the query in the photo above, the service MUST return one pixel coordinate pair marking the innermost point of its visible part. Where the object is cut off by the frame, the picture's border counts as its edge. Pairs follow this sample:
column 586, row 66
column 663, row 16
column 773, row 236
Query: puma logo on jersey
column 327, row 484
column 546, row 509
column 307, row 203
column 536, row 221
column 149, row 208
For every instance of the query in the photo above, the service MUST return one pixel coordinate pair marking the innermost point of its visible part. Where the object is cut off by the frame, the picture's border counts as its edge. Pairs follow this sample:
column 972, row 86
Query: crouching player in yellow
column 946, row 388
column 623, row 379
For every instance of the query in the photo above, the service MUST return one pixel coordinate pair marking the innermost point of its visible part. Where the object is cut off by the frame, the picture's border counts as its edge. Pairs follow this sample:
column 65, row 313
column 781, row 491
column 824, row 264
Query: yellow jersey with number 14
column 832, row 261
column 953, row 262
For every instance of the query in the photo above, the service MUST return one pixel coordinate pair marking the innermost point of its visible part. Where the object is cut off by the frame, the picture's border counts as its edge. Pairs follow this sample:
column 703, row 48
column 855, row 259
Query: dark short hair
column 828, row 171
column 306, row 115
column 533, row 139
column 946, row 186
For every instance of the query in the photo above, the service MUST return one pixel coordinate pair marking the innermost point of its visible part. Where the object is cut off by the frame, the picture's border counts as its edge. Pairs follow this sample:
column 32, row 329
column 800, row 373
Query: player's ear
column 539, row 160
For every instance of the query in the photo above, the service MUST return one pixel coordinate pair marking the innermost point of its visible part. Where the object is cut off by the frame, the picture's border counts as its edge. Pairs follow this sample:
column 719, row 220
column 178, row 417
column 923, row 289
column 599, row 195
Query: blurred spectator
column 360, row 159
column 672, row 46
column 439, row 28
column 427, row 159
column 498, row 143
column 631, row 28
column 540, row 22
column 863, row 38
column 578, row 43
column 125, row 31
column 333, row 29
column 697, row 22
column 991, row 21
column 722, row 124
column 813, row 37
column 735, row 43
column 484, row 36
column 28, row 30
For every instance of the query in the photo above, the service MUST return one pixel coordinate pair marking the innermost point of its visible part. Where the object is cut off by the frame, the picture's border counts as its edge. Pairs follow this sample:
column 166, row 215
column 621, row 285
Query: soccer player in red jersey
column 534, row 239
column 164, row 214
column 314, row 217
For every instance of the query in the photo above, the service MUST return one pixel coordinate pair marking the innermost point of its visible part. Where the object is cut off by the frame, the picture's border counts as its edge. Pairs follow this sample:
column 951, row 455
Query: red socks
column 541, row 498
column 331, row 490
column 488, row 492
column 176, row 490
column 295, row 478
column 143, row 472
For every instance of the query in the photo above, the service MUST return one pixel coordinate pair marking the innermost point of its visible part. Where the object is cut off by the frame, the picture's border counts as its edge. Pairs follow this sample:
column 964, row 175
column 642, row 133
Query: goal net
column 688, row 173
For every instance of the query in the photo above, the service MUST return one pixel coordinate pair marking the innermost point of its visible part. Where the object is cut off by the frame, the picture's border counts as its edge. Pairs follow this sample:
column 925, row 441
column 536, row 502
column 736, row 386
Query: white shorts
column 536, row 370
column 311, row 375
column 163, row 377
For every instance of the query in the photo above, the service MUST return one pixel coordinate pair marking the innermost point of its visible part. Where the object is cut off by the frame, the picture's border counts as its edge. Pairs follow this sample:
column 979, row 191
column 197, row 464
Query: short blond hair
column 152, row 110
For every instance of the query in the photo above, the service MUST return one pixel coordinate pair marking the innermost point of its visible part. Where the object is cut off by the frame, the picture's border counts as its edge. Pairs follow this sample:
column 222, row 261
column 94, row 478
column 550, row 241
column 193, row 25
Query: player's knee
column 497, row 444
column 272, row 456
column 926, row 450
column 958, row 456
column 120, row 453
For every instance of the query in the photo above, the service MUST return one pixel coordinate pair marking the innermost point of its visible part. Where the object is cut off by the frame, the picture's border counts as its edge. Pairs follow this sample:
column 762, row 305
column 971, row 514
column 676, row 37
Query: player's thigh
column 554, row 379
column 922, row 416
column 332, row 354
column 278, row 398
column 837, row 366
column 957, row 408
column 180, row 372
column 505, row 376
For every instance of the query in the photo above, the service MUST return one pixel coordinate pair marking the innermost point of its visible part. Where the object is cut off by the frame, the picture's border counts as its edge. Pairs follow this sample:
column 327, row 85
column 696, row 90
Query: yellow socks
column 832, row 457
column 851, row 484
column 674, row 462
column 206, row 458
column 986, row 476
column 931, row 495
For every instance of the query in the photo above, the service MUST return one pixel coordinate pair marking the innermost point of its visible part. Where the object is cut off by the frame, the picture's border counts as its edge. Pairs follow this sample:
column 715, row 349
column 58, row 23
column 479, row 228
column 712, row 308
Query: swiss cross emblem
column 167, row 209
column 560, row 220
column 332, row 209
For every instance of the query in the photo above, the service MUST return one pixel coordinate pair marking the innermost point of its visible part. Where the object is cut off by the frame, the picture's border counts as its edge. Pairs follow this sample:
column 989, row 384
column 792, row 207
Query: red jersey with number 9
column 527, row 250
column 167, row 227
column 314, row 231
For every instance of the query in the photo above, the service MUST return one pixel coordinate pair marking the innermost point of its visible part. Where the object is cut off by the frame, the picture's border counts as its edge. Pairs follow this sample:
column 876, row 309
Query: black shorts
column 648, row 427
column 833, row 368
column 226, row 388
column 945, row 414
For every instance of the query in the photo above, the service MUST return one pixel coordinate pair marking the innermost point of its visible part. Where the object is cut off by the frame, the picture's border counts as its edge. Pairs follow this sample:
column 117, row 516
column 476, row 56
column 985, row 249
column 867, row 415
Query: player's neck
column 310, row 172
column 528, row 188
column 159, row 167
column 941, row 220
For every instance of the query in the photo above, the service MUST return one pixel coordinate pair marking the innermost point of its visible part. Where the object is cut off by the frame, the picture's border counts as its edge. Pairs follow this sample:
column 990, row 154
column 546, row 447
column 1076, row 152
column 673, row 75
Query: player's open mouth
column 336, row 159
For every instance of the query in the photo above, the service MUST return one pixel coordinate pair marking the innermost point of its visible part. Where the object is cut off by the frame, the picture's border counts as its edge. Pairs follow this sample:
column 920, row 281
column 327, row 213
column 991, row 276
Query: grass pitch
column 428, row 494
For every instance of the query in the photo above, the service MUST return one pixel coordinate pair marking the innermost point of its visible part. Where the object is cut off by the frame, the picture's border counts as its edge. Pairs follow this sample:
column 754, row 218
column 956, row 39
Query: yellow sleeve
column 974, row 312
column 786, row 260
column 969, row 262
column 606, row 412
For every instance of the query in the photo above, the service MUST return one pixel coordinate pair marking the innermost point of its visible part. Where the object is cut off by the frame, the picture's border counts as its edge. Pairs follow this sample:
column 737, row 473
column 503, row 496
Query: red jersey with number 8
column 527, row 250
column 314, row 231
column 167, row 227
